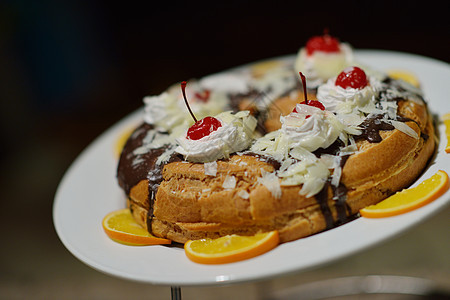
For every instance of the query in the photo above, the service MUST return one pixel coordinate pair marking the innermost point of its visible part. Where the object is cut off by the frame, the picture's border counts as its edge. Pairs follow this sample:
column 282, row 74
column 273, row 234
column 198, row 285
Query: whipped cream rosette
column 302, row 133
column 320, row 65
column 351, row 104
column 168, row 110
column 355, row 105
column 229, row 83
column 235, row 134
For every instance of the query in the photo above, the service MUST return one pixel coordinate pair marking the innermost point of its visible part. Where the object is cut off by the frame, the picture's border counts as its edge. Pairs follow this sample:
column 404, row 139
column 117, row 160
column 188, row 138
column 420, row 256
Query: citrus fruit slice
column 409, row 199
column 259, row 69
column 121, row 227
column 230, row 248
column 446, row 119
column 405, row 76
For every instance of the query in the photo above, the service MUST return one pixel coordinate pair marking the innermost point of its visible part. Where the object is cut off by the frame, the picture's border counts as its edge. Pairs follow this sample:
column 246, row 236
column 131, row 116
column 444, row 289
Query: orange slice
column 120, row 142
column 405, row 76
column 121, row 227
column 230, row 248
column 261, row 68
column 446, row 120
column 409, row 199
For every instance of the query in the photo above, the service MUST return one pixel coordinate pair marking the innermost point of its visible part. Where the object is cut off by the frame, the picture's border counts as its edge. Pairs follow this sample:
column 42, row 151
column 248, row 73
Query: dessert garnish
column 122, row 228
column 314, row 103
column 236, row 133
column 325, row 43
column 203, row 95
column 322, row 58
column 203, row 127
column 446, row 119
column 230, row 248
column 352, row 77
column 409, row 199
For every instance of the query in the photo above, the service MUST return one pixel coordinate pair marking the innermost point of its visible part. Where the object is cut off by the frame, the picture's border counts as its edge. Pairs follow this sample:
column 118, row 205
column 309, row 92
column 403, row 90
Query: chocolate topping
column 371, row 128
column 134, row 168
column 268, row 159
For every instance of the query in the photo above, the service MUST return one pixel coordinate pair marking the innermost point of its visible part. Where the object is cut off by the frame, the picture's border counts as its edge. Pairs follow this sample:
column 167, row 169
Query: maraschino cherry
column 314, row 103
column 352, row 77
column 203, row 96
column 203, row 127
column 324, row 43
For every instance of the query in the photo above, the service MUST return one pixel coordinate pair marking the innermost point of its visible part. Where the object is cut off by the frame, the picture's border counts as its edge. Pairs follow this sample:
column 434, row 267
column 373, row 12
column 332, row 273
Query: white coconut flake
column 229, row 182
column 243, row 194
column 405, row 129
column 271, row 182
column 336, row 177
column 165, row 156
column 210, row 168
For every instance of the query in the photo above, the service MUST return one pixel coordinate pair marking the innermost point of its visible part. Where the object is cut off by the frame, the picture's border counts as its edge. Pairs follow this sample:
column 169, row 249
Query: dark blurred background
column 71, row 69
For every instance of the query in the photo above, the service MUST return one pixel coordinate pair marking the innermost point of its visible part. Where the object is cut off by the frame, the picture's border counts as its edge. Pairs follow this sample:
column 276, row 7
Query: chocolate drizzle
column 339, row 195
column 394, row 90
column 133, row 168
column 371, row 128
column 267, row 159
column 322, row 200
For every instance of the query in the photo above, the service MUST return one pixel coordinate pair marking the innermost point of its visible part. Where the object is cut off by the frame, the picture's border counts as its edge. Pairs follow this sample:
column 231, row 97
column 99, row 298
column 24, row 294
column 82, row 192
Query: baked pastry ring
column 179, row 201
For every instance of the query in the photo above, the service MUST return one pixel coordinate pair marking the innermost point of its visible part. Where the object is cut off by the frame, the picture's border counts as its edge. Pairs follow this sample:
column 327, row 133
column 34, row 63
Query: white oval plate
column 89, row 191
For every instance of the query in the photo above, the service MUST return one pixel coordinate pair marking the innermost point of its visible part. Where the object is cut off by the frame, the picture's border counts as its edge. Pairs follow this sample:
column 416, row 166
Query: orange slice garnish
column 409, row 199
column 446, row 120
column 406, row 76
column 261, row 68
column 121, row 227
column 230, row 248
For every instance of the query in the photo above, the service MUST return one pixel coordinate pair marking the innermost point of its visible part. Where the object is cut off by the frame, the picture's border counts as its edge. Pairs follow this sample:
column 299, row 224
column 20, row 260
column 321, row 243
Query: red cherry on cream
column 314, row 103
column 203, row 96
column 325, row 43
column 203, row 127
column 352, row 77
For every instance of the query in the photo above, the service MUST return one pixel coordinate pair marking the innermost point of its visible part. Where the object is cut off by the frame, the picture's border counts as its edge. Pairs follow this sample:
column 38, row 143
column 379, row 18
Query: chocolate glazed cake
column 261, row 189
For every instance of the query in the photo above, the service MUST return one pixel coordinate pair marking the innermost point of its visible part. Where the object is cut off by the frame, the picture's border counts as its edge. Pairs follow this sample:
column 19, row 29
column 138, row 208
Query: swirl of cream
column 232, row 83
column 321, row 66
column 344, row 101
column 235, row 134
column 168, row 110
column 311, row 128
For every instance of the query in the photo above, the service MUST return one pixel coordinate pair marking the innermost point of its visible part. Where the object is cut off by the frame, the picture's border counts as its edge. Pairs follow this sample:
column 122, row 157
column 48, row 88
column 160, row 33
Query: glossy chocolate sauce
column 339, row 195
column 133, row 168
column 267, row 159
column 371, row 128
column 401, row 93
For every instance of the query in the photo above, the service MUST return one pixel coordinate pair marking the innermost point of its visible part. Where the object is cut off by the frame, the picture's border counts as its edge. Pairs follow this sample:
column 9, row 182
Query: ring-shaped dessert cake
column 267, row 154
